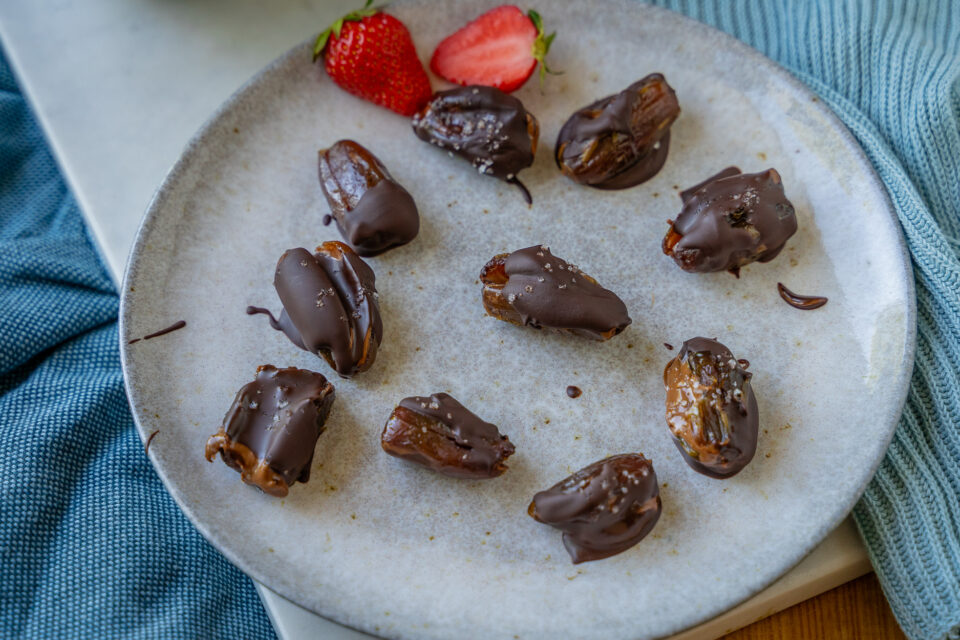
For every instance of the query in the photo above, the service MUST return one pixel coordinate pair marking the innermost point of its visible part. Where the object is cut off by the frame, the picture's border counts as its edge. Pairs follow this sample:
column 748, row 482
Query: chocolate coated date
column 532, row 287
column 711, row 409
column 489, row 128
column 730, row 220
column 330, row 306
column 622, row 140
column 373, row 212
column 603, row 509
column 441, row 434
column 271, row 430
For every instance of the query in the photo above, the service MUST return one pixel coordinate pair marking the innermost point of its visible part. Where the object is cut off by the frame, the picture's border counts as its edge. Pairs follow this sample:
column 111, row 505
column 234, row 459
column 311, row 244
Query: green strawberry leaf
column 541, row 46
column 321, row 43
column 337, row 27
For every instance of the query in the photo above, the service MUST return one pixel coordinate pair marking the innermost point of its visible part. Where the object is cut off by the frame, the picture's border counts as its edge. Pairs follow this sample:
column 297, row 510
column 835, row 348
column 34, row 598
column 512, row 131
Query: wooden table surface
column 852, row 611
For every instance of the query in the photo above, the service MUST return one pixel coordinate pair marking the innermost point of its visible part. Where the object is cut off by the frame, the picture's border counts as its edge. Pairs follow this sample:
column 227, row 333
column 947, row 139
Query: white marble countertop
column 121, row 85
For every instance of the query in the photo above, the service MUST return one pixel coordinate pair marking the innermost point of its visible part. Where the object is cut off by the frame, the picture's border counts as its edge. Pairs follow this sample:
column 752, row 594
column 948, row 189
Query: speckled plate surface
column 397, row 551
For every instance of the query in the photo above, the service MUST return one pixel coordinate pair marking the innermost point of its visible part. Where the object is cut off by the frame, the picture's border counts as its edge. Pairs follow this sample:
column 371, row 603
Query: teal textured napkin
column 91, row 544
column 891, row 71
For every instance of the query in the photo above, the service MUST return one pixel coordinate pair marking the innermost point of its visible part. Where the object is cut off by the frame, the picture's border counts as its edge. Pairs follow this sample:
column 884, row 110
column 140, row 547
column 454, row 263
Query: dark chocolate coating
column 603, row 509
column 271, row 430
column 441, row 434
column 730, row 220
column 797, row 301
column 532, row 287
column 711, row 409
column 486, row 126
column 373, row 212
column 330, row 305
column 621, row 140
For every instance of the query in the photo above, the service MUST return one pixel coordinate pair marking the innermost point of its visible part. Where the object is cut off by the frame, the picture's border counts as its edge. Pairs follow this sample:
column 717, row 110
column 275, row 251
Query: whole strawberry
column 371, row 55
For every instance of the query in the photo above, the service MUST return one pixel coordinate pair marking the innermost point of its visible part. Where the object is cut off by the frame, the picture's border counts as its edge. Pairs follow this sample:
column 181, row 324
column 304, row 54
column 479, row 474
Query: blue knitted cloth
column 891, row 71
column 90, row 543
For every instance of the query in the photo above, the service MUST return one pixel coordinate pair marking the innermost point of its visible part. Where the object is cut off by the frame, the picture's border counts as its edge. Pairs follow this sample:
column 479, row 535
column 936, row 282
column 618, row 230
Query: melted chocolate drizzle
column 251, row 310
column 797, row 301
column 146, row 446
column 179, row 324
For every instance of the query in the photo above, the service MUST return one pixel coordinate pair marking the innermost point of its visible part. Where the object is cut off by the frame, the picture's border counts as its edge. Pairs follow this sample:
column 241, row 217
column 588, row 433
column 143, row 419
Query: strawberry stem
column 334, row 29
column 541, row 46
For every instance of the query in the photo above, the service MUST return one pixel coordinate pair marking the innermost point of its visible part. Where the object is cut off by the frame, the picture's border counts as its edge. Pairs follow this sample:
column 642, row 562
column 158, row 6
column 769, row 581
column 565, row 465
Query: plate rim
column 749, row 54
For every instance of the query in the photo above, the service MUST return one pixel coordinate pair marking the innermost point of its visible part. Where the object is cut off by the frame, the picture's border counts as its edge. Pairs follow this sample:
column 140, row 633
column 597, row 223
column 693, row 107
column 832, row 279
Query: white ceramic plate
column 395, row 550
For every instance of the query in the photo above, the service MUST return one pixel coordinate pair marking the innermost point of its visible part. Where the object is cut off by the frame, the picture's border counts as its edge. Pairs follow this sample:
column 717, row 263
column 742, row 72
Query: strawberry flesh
column 495, row 50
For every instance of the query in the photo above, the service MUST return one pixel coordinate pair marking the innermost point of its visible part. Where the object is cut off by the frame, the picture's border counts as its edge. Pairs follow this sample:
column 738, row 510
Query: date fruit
column 603, row 509
column 439, row 433
column 711, row 409
column 487, row 127
column 373, row 212
column 730, row 220
column 271, row 430
column 534, row 288
column 622, row 140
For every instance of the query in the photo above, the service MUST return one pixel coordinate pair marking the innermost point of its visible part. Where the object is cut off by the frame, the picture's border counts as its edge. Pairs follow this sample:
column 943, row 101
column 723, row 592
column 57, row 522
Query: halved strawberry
column 371, row 55
column 499, row 49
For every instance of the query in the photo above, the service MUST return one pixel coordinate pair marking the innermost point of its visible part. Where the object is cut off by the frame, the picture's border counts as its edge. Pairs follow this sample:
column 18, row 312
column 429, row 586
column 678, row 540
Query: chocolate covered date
column 711, row 409
column 441, row 434
column 487, row 127
column 730, row 220
column 534, row 288
column 622, row 140
column 330, row 306
column 271, row 430
column 373, row 212
column 603, row 509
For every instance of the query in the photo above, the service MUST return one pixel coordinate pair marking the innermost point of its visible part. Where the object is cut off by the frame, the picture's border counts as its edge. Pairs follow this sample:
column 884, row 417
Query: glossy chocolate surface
column 441, row 434
column 730, row 220
column 329, row 306
column 271, row 430
column 622, row 140
column 797, row 301
column 373, row 212
column 487, row 127
column 603, row 509
column 711, row 409
column 534, row 288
